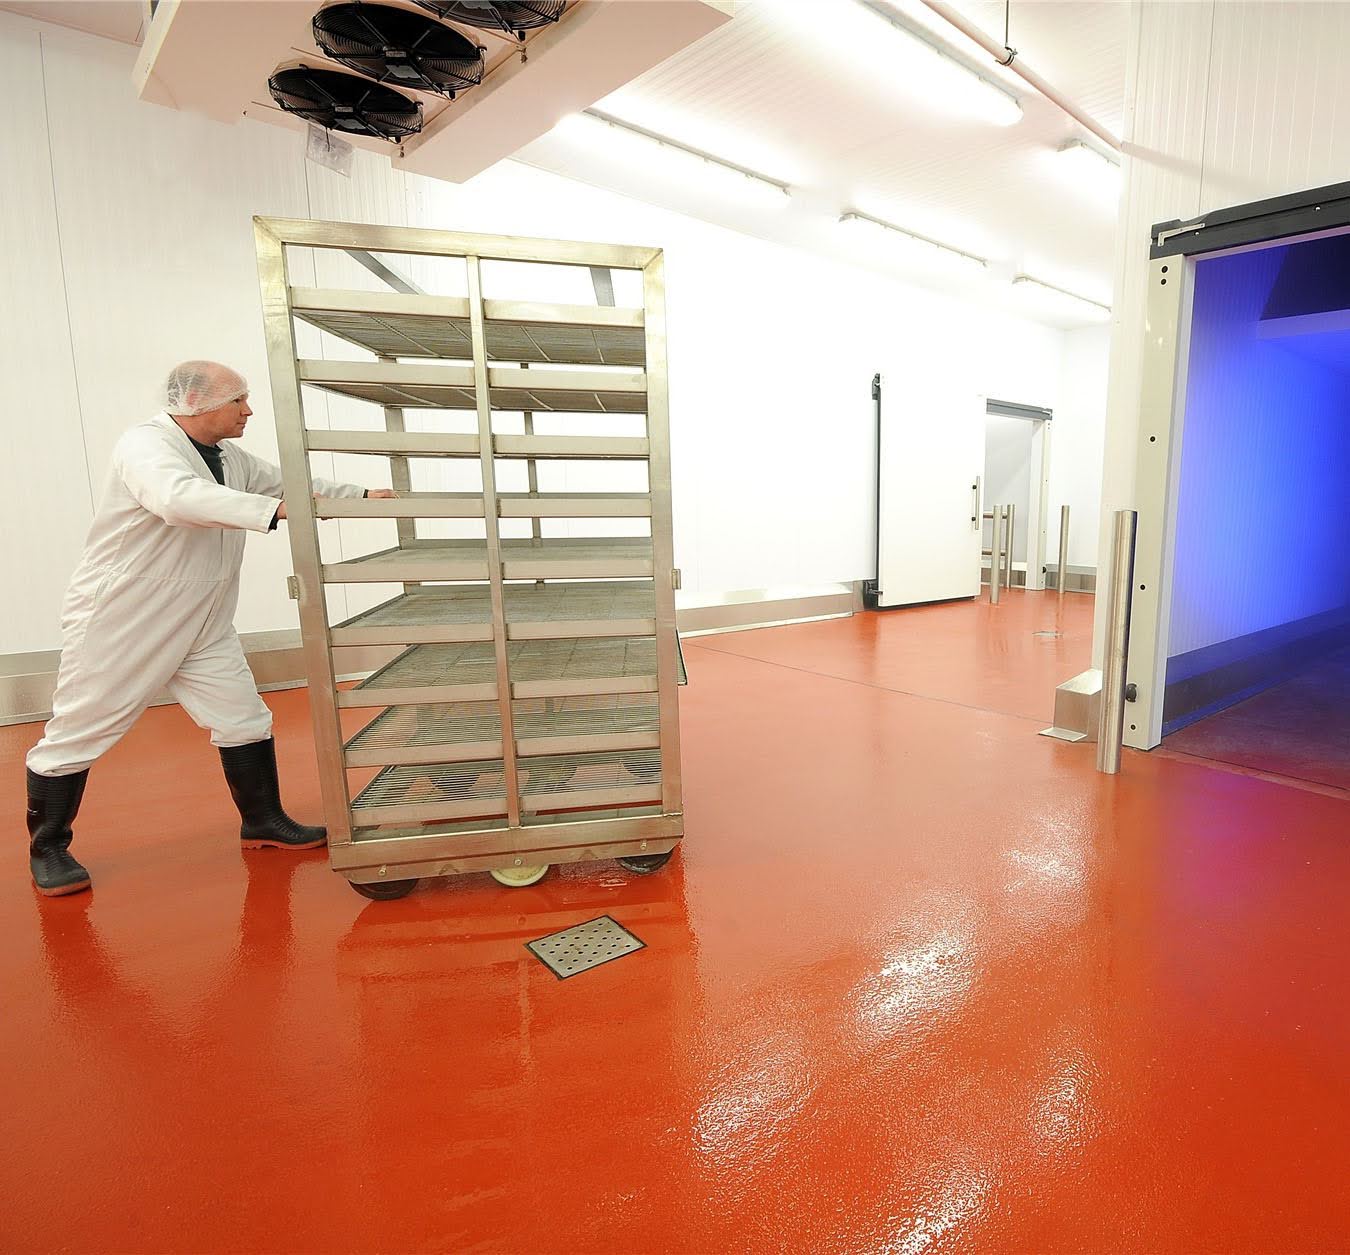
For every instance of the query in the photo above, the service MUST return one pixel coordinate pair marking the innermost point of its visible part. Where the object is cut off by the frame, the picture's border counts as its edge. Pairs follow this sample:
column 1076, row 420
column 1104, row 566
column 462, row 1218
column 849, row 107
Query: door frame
column 1036, row 523
column 1175, row 247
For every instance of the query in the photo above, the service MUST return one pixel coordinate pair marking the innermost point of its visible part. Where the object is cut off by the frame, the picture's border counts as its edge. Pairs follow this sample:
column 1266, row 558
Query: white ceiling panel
column 122, row 20
column 789, row 89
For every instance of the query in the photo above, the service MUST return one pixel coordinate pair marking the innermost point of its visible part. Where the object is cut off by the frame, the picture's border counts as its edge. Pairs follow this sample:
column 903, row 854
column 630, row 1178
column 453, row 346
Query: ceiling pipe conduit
column 1019, row 67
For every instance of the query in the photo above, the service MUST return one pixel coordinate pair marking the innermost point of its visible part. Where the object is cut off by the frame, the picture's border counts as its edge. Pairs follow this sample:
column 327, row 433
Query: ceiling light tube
column 918, row 247
column 1091, row 166
column 664, row 156
column 916, row 58
column 1057, row 301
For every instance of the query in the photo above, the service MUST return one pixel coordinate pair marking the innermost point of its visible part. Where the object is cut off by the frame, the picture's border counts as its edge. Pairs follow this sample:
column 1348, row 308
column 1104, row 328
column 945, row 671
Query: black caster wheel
column 645, row 864
column 385, row 890
column 643, row 769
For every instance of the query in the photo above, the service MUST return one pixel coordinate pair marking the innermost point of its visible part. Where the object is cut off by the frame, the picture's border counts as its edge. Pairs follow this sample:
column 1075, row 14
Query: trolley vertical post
column 492, row 526
column 663, row 539
column 288, row 412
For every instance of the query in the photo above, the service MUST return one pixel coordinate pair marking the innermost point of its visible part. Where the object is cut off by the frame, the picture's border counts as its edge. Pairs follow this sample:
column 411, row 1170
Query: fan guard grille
column 512, row 16
column 399, row 47
column 343, row 102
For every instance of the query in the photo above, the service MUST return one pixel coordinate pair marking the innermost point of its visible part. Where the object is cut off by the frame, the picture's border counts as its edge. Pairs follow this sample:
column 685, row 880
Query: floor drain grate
column 1047, row 634
column 583, row 946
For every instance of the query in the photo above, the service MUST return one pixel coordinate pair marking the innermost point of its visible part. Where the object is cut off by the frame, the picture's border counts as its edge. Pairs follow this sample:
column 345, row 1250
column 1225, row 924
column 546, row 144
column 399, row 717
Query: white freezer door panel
column 932, row 457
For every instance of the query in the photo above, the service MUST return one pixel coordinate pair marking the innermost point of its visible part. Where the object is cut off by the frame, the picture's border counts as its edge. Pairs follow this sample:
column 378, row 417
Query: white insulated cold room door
column 931, row 459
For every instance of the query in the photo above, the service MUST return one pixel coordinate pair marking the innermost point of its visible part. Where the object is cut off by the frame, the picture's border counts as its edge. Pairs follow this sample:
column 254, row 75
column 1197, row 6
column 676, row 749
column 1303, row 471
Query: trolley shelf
column 555, row 782
column 617, row 557
column 425, row 615
column 469, row 505
column 548, row 668
column 427, row 444
column 392, row 324
column 421, row 444
column 455, row 733
column 413, row 385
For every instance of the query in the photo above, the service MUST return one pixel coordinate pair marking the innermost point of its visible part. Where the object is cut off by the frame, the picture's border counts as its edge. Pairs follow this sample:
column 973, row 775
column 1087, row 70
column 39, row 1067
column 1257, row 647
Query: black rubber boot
column 251, row 771
column 53, row 803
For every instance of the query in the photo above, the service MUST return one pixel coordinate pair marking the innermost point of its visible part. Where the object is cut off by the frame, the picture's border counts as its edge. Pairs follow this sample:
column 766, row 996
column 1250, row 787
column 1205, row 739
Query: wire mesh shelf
column 413, row 386
column 395, row 332
column 458, row 731
column 618, row 608
column 526, row 558
column 541, row 668
column 427, row 792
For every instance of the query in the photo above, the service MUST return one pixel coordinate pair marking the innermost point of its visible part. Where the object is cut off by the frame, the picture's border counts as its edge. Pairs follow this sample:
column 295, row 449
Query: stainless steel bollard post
column 1111, row 725
column 1062, row 578
column 995, row 558
column 1008, row 577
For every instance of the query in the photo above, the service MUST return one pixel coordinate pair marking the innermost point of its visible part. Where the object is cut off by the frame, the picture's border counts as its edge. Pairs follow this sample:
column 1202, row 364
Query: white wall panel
column 1226, row 102
column 772, row 350
column 155, row 210
column 1076, row 444
column 45, row 492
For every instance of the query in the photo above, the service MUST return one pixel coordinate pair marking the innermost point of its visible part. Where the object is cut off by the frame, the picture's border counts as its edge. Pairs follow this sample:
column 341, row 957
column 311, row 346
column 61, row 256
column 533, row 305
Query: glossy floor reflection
column 919, row 981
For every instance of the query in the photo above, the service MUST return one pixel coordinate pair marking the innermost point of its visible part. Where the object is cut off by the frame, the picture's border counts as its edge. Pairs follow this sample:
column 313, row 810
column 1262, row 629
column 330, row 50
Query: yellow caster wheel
column 519, row 877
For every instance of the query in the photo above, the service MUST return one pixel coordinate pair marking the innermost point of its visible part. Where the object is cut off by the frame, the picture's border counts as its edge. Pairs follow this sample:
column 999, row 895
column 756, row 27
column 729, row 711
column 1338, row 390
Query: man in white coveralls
column 151, row 607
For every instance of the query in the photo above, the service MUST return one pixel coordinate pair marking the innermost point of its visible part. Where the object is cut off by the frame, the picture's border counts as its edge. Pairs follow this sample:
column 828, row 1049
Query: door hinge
column 293, row 587
column 676, row 580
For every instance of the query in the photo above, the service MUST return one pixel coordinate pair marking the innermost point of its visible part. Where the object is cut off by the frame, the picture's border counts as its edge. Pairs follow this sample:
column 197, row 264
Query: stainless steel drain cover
column 584, row 946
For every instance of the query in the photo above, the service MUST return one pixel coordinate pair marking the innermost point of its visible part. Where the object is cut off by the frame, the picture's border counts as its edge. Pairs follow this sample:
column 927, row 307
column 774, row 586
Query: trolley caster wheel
column 385, row 890
column 644, row 864
column 643, row 769
column 519, row 877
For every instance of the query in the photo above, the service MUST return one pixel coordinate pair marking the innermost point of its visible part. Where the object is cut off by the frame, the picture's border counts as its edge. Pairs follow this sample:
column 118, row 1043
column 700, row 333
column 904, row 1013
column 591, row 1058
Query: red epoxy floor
column 919, row 982
column 1299, row 729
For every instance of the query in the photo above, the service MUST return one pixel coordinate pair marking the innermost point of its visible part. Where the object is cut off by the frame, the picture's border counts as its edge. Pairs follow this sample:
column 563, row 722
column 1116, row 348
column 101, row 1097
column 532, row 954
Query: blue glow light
column 1261, row 539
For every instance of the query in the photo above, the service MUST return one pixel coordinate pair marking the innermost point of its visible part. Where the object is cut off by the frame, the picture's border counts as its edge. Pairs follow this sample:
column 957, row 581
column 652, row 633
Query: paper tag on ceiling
column 326, row 149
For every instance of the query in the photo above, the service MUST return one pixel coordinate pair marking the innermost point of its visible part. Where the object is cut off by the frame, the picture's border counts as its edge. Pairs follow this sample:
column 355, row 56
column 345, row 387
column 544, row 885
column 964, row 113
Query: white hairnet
column 195, row 387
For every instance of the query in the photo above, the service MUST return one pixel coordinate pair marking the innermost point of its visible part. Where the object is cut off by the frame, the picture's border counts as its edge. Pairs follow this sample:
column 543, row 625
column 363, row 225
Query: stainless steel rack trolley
column 523, row 711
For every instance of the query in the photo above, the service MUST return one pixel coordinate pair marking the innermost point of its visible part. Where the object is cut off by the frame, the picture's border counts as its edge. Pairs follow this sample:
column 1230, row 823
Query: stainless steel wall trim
column 1110, row 729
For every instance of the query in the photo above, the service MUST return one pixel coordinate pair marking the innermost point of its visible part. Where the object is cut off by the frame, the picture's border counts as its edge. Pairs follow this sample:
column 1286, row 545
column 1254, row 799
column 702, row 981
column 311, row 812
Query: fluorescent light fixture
column 666, row 158
column 1091, row 168
column 876, row 37
column 1047, row 299
column 906, row 244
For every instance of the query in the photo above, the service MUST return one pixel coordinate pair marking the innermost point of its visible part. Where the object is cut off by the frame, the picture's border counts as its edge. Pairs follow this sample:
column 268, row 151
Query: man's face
column 226, row 422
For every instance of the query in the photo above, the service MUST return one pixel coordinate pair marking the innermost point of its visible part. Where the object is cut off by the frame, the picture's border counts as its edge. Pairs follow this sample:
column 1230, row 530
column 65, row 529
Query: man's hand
column 281, row 510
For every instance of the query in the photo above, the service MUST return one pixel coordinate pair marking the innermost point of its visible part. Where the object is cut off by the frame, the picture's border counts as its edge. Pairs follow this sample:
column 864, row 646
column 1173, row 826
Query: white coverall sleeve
column 265, row 478
column 159, row 480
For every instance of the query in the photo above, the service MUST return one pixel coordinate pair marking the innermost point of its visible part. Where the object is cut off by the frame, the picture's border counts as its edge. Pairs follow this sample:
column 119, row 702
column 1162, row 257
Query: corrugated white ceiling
column 122, row 20
column 781, row 91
